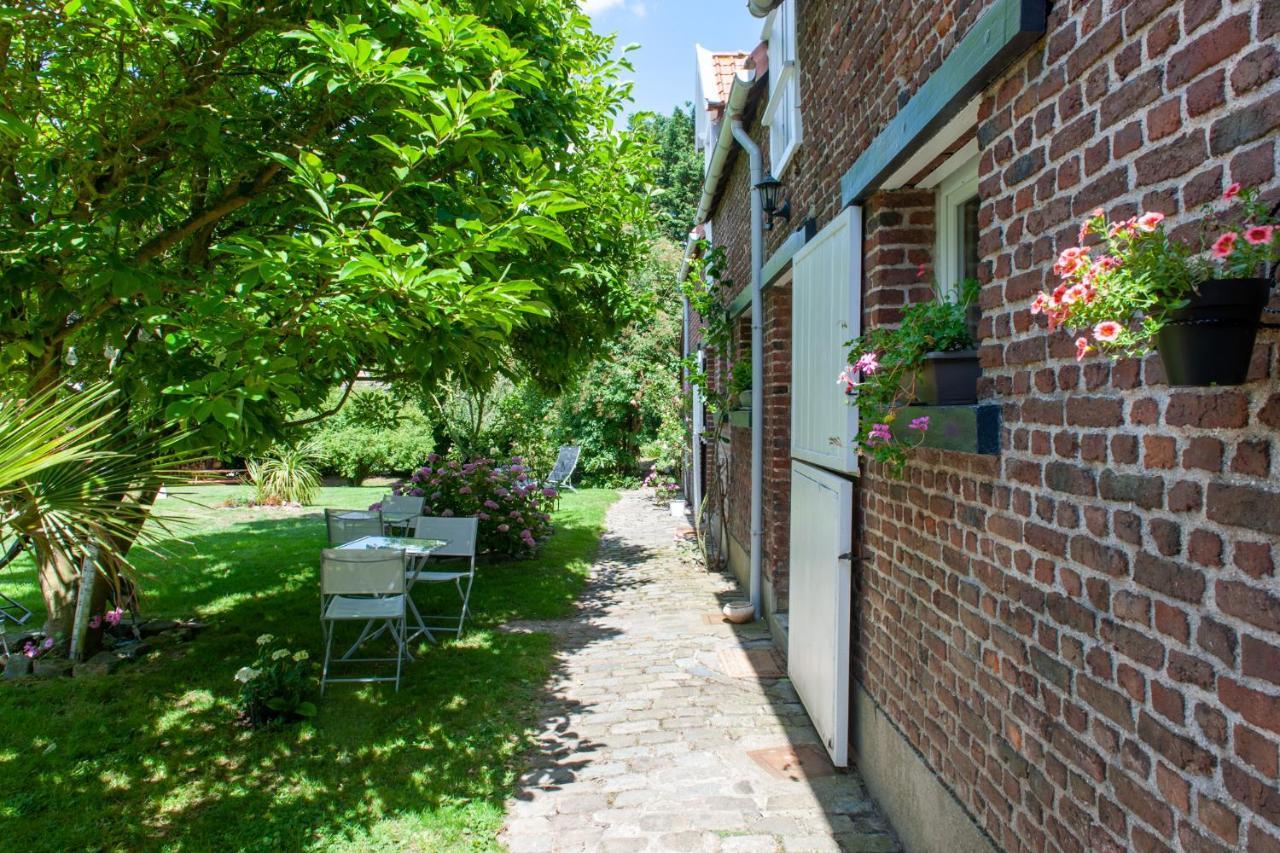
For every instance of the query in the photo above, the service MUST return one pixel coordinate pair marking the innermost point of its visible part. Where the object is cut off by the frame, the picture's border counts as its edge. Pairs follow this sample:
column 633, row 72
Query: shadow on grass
column 150, row 757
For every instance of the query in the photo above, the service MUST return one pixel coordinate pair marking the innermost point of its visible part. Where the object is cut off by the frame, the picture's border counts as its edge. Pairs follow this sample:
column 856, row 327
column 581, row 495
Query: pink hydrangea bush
column 514, row 511
column 1118, row 285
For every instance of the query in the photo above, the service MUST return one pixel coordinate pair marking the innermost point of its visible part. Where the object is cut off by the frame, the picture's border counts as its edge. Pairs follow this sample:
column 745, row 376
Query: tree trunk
column 59, row 579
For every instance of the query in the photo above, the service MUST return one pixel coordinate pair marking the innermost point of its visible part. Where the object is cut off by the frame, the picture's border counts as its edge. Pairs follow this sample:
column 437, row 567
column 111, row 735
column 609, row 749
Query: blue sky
column 666, row 30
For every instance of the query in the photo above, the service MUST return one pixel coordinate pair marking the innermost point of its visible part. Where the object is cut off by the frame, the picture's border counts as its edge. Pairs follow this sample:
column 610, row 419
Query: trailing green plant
column 277, row 687
column 286, row 475
column 1120, row 289
column 740, row 378
column 884, row 367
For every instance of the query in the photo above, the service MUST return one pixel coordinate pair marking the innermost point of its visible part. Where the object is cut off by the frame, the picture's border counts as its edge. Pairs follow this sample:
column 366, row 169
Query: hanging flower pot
column 1210, row 341
column 949, row 378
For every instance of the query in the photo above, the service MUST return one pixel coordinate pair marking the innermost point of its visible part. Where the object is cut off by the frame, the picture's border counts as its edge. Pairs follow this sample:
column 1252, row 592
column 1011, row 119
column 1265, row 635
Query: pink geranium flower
column 1148, row 221
column 1257, row 235
column 880, row 433
column 113, row 617
column 1223, row 246
column 1082, row 348
column 1231, row 191
column 921, row 423
column 1107, row 331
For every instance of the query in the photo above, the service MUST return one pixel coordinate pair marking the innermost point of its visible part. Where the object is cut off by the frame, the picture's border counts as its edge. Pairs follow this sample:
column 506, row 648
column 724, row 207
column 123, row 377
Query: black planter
column 949, row 378
column 1210, row 341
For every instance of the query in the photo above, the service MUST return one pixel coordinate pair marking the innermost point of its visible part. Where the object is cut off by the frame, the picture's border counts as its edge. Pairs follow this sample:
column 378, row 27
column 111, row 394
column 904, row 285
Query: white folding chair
column 400, row 511
column 459, row 536
column 363, row 586
column 347, row 525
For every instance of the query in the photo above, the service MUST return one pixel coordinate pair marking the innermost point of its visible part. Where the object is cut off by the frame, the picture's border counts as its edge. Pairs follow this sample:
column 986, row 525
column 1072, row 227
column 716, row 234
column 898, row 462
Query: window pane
column 969, row 238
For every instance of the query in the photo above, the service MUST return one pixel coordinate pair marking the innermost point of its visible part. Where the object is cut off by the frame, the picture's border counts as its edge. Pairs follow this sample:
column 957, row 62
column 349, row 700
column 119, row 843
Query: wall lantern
column 769, row 188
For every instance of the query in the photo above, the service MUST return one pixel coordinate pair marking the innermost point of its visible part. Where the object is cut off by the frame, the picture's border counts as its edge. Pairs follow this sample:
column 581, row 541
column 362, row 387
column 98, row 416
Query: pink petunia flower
column 1231, row 191
column 1223, row 246
column 1082, row 348
column 1107, row 331
column 1257, row 235
column 1148, row 221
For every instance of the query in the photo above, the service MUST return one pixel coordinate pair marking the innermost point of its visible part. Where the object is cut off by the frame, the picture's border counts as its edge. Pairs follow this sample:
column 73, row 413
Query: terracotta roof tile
column 723, row 66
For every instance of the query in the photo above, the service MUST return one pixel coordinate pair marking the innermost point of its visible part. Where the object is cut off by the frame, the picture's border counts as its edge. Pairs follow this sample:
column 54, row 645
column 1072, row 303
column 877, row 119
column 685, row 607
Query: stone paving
column 666, row 728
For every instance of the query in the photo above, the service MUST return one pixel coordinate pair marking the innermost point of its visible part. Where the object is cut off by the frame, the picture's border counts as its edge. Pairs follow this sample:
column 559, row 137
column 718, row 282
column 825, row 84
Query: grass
column 150, row 759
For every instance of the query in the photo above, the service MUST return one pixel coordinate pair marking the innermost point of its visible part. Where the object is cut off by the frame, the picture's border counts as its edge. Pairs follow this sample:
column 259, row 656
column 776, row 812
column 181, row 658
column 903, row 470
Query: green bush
column 374, row 433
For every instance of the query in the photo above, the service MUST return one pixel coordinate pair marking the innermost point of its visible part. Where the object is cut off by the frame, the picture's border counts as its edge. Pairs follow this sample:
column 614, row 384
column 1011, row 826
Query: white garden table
column 412, row 547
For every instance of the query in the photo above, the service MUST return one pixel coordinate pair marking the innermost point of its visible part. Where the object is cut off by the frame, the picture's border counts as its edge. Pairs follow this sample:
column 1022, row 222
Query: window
column 782, row 113
column 956, row 253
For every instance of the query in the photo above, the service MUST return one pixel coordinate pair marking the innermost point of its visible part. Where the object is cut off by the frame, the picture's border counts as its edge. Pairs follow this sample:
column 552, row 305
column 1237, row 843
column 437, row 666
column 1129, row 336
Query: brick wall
column 1082, row 635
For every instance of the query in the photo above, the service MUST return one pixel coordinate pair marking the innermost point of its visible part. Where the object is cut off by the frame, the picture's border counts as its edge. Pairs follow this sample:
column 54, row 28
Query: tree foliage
column 679, row 171
column 231, row 208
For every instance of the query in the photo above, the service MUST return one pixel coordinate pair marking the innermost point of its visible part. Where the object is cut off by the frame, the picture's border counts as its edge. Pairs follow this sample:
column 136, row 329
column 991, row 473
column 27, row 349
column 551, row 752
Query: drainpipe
column 757, row 357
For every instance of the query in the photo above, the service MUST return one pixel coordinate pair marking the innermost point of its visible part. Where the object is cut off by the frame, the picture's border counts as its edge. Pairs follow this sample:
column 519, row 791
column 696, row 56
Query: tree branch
column 351, row 383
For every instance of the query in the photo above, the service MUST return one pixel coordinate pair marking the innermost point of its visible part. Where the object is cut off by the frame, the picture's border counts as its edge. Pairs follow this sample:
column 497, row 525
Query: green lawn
column 150, row 758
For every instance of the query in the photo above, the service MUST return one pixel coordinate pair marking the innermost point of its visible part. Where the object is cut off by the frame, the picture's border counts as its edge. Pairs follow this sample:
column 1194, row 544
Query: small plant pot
column 744, row 399
column 949, row 378
column 1210, row 341
column 677, row 509
column 738, row 612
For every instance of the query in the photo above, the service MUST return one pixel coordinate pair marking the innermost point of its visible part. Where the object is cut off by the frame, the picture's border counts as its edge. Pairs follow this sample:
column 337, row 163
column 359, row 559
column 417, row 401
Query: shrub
column 286, row 475
column 514, row 512
column 275, row 688
column 374, row 433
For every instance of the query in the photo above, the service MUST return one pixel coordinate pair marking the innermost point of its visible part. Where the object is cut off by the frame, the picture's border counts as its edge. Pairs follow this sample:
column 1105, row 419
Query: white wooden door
column 826, row 310
column 821, row 581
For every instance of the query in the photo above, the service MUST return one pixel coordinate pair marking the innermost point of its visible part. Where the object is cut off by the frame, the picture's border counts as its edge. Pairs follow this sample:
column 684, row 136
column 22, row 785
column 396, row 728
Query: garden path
column 666, row 728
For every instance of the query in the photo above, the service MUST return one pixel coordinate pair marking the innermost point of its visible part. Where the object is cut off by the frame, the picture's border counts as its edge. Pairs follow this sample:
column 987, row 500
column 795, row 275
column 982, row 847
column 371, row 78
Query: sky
column 666, row 31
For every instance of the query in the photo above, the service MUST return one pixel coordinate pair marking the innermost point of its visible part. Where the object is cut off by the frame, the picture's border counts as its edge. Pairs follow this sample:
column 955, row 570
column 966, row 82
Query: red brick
column 1255, row 606
column 1172, row 622
column 1254, row 559
column 1258, row 796
column 1221, row 410
column 1257, row 750
column 1218, row 819
column 1144, row 804
column 1205, row 547
column 1258, row 708
column 1208, row 50
column 1204, row 453
column 1259, row 659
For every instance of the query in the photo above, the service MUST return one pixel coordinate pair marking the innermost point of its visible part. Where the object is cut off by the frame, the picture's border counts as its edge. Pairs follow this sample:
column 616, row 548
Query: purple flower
column 435, row 496
column 549, row 492
column 502, row 493
column 503, row 528
column 47, row 644
column 465, row 490
column 920, row 423
column 483, row 516
column 515, row 513
column 433, row 457
column 416, row 493
column 29, row 649
column 113, row 617
column 880, row 434
column 448, row 513
column 376, row 505
column 491, row 504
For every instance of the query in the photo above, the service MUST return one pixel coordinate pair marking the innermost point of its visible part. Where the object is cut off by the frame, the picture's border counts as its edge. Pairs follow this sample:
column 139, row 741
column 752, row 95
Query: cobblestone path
column 665, row 728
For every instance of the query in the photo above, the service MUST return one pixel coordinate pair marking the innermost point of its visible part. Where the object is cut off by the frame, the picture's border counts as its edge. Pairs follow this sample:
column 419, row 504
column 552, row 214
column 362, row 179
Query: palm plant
column 77, row 484
column 286, row 475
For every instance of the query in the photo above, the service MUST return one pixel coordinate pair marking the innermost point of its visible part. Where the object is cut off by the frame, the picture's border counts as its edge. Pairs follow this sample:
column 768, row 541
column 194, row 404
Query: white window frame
column 957, row 185
column 782, row 112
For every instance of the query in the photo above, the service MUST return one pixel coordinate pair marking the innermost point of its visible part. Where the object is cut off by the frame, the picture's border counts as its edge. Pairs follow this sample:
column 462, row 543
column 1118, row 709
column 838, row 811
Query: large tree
column 678, row 177
column 230, row 207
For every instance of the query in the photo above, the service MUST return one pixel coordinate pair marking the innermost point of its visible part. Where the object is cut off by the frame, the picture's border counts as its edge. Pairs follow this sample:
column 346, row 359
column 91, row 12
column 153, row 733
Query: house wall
column 1079, row 637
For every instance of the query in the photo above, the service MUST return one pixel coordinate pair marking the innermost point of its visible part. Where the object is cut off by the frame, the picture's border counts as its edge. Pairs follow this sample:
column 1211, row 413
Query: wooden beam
column 1005, row 32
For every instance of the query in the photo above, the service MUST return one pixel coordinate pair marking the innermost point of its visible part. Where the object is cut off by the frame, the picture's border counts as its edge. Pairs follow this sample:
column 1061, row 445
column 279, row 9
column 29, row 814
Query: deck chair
column 562, row 472
column 363, row 586
column 12, row 610
column 347, row 525
column 459, row 535
column 399, row 513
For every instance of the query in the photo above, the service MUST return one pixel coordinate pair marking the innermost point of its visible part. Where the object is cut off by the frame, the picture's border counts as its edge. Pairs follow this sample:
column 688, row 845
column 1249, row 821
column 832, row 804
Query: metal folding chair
column 399, row 513
column 347, row 525
column 459, row 535
column 363, row 586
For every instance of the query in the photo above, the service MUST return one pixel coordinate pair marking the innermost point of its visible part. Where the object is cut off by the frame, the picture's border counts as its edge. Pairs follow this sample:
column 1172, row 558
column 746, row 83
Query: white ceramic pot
column 738, row 612
column 677, row 509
